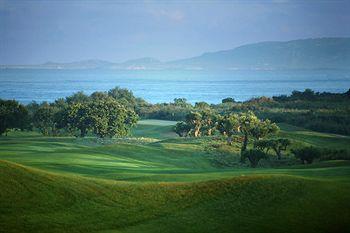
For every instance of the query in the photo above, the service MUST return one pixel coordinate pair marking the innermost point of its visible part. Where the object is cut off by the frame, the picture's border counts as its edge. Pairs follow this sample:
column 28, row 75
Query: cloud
column 173, row 15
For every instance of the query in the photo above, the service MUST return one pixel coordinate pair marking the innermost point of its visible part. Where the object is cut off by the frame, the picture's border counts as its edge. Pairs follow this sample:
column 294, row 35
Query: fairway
column 154, row 181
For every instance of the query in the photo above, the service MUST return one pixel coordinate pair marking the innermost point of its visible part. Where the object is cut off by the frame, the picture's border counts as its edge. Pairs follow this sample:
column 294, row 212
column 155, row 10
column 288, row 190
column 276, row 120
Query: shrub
column 307, row 154
column 334, row 154
column 254, row 156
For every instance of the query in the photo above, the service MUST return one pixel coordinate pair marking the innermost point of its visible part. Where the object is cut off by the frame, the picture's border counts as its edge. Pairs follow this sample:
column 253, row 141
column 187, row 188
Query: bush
column 333, row 154
column 307, row 154
column 254, row 156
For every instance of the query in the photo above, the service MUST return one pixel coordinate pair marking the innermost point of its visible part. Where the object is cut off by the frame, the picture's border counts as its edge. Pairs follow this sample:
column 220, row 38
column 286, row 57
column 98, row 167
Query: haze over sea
column 26, row 85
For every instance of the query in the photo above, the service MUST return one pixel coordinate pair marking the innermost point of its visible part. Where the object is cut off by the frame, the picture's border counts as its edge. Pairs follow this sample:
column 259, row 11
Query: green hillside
column 157, row 182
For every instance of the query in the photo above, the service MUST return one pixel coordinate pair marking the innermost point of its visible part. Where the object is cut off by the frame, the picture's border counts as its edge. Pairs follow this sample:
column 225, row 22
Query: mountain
column 140, row 64
column 319, row 53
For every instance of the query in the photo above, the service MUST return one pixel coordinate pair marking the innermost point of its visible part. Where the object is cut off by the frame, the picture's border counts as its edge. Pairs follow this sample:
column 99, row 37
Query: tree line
column 103, row 114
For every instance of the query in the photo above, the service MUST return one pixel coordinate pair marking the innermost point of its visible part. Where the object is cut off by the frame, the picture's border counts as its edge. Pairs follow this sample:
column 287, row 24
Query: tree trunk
column 229, row 140
column 82, row 132
column 245, row 142
column 278, row 155
column 196, row 132
column 209, row 132
column 244, row 147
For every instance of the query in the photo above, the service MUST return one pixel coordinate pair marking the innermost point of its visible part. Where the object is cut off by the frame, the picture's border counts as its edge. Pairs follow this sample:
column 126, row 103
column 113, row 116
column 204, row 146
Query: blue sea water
column 26, row 85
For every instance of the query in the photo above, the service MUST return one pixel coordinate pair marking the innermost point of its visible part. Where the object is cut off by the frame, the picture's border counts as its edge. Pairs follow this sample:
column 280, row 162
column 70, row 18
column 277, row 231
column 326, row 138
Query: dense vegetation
column 113, row 114
column 104, row 114
column 323, row 112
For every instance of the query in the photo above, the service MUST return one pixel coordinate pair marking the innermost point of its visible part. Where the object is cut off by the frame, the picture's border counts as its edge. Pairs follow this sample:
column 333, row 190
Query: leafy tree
column 254, row 156
column 194, row 121
column 209, row 122
column 78, row 97
column 306, row 154
column 44, row 119
column 202, row 105
column 250, row 125
column 228, row 125
column 78, row 118
column 12, row 115
column 109, row 118
column 263, row 145
column 181, row 102
column 182, row 129
column 99, row 95
column 279, row 145
column 228, row 100
column 104, row 117
column 123, row 96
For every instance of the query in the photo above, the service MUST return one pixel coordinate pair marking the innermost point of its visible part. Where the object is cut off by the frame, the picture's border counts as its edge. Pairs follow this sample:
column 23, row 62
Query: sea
column 158, row 86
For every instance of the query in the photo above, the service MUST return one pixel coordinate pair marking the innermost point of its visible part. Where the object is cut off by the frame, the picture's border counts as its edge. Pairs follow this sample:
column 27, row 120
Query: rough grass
column 66, row 184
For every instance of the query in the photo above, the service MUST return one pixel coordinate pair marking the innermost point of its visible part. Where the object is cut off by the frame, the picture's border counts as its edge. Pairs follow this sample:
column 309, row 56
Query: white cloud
column 173, row 15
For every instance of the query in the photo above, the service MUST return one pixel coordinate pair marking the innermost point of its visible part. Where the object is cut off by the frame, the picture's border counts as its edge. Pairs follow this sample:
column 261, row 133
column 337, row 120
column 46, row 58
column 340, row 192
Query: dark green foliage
column 104, row 114
column 228, row 100
column 253, row 155
column 228, row 125
column 323, row 112
column 78, row 97
column 251, row 126
column 105, row 117
column 43, row 119
column 194, row 121
column 108, row 118
column 201, row 105
column 12, row 115
column 334, row 154
column 182, row 129
column 277, row 145
column 307, row 154
column 123, row 96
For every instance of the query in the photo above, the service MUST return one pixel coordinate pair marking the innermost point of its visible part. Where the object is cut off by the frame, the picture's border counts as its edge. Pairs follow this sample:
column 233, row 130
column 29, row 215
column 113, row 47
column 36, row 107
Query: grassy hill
column 156, row 182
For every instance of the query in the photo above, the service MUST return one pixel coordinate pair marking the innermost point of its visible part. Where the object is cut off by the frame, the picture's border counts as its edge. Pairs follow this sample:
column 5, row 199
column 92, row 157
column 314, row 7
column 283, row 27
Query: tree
column 194, row 121
column 182, row 129
column 109, row 118
column 254, row 156
column 78, row 118
column 306, row 154
column 78, row 97
column 228, row 125
column 202, row 105
column 279, row 145
column 250, row 125
column 105, row 117
column 263, row 145
column 12, row 115
column 123, row 96
column 228, row 100
column 209, row 122
column 43, row 119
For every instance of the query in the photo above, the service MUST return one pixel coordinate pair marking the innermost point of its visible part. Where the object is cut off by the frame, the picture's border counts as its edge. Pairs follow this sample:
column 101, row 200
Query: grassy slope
column 72, row 185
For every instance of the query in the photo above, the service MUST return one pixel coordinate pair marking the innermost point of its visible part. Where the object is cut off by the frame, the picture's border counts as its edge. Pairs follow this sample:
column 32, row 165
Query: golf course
column 156, row 181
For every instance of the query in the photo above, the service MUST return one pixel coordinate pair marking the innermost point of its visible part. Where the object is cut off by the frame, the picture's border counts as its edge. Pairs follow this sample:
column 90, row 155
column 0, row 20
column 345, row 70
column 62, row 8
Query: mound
column 35, row 201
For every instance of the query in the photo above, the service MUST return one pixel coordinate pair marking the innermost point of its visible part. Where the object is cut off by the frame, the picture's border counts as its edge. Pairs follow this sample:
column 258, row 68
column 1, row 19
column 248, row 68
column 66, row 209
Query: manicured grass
column 164, row 184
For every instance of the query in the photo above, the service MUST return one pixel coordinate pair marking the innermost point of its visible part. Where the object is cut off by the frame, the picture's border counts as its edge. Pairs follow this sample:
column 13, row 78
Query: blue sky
column 34, row 32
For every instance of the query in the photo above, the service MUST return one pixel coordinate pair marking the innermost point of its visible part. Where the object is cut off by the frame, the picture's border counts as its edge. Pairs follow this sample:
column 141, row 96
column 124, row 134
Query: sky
column 34, row 32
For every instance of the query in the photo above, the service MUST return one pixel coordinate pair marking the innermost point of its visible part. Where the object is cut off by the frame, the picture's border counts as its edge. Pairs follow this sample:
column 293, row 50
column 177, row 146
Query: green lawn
column 157, row 182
